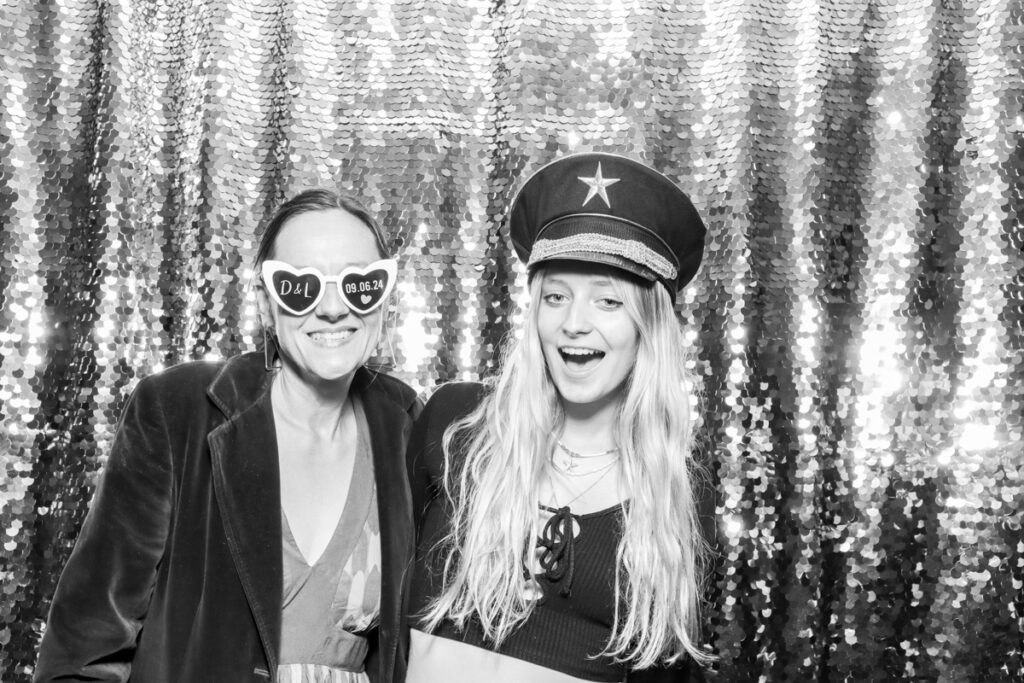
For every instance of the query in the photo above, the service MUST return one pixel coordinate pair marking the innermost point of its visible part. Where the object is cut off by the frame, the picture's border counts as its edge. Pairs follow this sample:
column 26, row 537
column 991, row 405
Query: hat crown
column 608, row 209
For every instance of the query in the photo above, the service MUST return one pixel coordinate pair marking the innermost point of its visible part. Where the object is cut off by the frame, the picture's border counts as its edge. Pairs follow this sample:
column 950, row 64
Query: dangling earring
column 391, row 348
column 385, row 336
column 269, row 351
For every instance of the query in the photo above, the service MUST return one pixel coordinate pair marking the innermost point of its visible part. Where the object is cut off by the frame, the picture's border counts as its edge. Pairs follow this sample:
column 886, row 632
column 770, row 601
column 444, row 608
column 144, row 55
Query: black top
column 572, row 622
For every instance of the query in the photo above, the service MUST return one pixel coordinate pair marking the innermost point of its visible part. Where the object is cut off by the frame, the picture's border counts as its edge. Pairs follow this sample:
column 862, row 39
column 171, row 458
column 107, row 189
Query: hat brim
column 611, row 260
column 607, row 240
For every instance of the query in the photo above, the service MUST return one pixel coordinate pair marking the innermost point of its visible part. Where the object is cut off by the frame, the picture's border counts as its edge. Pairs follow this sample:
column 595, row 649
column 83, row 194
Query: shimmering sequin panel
column 856, row 326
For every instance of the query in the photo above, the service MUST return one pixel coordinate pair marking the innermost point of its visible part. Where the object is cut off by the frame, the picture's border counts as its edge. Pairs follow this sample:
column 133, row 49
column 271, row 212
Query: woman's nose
column 332, row 306
column 577, row 318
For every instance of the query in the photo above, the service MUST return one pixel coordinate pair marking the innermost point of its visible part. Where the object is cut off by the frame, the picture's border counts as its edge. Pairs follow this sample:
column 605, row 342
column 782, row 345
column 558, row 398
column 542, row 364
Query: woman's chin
column 334, row 368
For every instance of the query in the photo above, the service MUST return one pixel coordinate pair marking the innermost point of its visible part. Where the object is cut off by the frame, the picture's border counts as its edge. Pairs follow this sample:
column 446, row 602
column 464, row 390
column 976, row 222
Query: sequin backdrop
column 856, row 324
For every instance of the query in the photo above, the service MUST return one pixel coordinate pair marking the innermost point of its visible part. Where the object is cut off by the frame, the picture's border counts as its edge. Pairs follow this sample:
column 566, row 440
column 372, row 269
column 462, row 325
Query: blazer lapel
column 247, row 484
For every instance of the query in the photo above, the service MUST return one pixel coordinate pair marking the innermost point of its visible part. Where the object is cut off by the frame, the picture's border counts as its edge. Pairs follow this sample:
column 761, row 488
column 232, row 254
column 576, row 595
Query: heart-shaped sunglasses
column 299, row 290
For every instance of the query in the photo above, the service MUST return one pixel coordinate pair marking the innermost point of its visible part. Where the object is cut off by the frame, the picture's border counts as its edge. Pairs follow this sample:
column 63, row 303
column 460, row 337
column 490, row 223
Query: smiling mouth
column 332, row 338
column 574, row 357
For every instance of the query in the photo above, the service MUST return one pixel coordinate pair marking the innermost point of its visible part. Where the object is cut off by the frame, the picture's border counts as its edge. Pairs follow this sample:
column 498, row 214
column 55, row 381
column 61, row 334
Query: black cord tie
column 557, row 559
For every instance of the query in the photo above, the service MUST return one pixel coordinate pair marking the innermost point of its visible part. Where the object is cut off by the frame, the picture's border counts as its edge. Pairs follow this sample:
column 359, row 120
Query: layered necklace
column 556, row 541
column 575, row 465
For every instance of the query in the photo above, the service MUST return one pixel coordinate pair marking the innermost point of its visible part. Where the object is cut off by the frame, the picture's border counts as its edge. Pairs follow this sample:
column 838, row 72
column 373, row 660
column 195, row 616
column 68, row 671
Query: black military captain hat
column 612, row 210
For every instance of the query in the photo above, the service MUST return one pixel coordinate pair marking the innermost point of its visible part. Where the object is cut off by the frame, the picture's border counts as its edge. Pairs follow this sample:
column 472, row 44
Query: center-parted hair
column 496, row 458
column 319, row 199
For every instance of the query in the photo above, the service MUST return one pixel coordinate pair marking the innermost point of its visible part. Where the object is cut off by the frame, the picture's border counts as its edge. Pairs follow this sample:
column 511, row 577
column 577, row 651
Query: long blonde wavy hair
column 497, row 456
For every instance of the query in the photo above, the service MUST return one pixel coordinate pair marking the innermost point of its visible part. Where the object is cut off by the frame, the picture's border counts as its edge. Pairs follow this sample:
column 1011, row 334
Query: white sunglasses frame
column 269, row 267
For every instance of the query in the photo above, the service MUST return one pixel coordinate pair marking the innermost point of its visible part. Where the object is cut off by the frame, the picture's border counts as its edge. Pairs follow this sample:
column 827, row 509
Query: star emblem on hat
column 598, row 185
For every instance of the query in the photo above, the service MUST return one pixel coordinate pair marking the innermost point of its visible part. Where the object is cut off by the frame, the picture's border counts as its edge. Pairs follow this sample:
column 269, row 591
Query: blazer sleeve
column 104, row 591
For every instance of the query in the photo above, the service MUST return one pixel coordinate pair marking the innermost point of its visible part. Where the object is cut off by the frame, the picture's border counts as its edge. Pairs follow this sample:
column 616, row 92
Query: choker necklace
column 569, row 466
column 573, row 454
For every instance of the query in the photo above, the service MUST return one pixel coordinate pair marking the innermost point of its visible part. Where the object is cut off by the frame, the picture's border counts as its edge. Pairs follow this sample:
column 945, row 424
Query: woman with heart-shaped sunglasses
column 254, row 519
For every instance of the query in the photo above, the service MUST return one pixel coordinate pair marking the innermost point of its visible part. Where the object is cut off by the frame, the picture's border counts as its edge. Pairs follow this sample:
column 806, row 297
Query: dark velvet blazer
column 176, row 575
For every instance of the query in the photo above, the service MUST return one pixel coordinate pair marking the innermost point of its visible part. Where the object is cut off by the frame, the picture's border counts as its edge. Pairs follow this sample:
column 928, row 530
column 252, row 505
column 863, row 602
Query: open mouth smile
column 580, row 358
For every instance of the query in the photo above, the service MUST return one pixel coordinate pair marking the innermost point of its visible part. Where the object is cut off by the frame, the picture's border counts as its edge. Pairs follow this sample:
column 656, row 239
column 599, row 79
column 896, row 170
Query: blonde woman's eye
column 554, row 298
column 609, row 304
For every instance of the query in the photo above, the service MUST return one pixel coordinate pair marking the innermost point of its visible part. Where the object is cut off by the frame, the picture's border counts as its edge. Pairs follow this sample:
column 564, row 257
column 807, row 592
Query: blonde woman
column 560, row 525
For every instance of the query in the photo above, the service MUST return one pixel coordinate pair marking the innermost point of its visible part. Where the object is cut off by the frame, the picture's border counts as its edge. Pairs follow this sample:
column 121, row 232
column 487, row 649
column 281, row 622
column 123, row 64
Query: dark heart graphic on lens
column 298, row 292
column 364, row 291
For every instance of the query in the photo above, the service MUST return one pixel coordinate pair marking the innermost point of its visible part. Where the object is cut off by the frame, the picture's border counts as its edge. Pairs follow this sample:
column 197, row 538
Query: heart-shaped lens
column 298, row 293
column 364, row 291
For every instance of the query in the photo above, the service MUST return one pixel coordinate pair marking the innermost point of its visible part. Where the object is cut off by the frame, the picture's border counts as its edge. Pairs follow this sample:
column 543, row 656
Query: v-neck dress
column 327, row 604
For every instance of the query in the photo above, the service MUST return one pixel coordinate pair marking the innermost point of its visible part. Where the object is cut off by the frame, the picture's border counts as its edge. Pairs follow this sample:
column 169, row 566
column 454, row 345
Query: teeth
column 572, row 351
column 580, row 356
column 329, row 338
